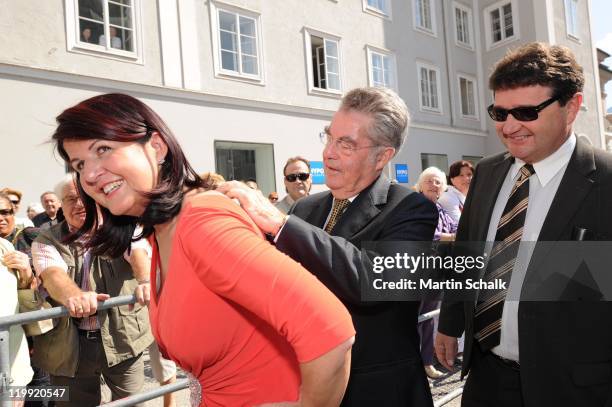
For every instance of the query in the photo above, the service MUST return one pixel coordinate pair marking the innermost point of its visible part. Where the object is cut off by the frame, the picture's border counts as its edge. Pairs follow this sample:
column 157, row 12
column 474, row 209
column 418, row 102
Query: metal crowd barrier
column 27, row 317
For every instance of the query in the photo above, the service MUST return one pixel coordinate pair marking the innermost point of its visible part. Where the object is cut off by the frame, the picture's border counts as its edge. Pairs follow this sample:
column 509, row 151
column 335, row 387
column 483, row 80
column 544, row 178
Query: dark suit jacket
column 386, row 365
column 565, row 347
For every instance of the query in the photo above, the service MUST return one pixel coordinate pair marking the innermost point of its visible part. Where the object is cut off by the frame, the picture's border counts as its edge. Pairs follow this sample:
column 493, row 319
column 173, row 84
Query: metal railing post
column 5, row 367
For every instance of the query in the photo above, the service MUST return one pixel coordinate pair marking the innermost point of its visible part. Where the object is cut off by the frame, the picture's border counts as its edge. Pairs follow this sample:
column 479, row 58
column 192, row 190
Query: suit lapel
column 317, row 212
column 486, row 195
column 575, row 185
column 361, row 211
column 573, row 189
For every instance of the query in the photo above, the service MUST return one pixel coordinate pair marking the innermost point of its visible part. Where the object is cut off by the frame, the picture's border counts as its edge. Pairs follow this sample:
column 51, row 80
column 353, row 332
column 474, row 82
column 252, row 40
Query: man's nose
column 511, row 125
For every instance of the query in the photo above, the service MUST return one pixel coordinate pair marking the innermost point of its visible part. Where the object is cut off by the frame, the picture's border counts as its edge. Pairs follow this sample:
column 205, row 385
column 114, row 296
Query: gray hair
column 389, row 113
column 431, row 171
column 58, row 190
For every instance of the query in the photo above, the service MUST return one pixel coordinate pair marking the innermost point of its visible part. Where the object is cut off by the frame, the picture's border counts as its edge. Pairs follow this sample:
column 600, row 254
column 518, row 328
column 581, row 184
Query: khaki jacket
column 125, row 334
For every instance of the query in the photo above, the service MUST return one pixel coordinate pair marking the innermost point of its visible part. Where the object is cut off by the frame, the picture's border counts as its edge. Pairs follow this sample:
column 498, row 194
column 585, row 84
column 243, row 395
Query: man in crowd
column 52, row 214
column 109, row 342
column 324, row 232
column 297, row 182
column 549, row 186
column 20, row 260
column 15, row 197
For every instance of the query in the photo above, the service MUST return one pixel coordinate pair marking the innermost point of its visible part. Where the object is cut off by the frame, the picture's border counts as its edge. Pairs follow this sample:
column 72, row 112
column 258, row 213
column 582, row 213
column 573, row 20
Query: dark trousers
column 124, row 379
column 491, row 382
column 40, row 379
column 426, row 332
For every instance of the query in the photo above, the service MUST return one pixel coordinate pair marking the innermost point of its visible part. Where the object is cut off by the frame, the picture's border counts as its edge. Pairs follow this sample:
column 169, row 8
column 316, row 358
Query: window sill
column 336, row 94
column 467, row 47
column 501, row 43
column 430, row 110
column 99, row 51
column 574, row 38
column 377, row 13
column 470, row 118
column 426, row 31
column 233, row 76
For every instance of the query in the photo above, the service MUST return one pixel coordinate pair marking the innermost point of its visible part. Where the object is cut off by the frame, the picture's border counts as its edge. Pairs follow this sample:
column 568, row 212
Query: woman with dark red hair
column 248, row 322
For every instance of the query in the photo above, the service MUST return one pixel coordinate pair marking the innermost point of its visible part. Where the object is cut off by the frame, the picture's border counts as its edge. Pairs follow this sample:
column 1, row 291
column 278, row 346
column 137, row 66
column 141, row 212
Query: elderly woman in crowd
column 247, row 321
column 19, row 359
column 460, row 176
column 431, row 183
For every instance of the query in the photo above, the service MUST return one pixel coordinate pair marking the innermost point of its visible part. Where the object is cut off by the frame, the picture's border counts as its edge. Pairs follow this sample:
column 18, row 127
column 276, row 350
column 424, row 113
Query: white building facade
column 245, row 84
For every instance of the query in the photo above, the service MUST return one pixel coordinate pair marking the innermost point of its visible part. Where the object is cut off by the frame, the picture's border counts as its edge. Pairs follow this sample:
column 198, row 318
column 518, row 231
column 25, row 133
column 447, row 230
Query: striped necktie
column 488, row 313
column 338, row 208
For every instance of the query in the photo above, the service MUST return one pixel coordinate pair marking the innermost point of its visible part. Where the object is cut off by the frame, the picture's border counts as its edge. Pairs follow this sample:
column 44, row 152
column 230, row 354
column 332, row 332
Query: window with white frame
column 423, row 15
column 324, row 61
column 501, row 24
column 106, row 25
column 463, row 25
column 571, row 17
column 467, row 93
column 379, row 6
column 382, row 68
column 429, row 87
column 238, row 43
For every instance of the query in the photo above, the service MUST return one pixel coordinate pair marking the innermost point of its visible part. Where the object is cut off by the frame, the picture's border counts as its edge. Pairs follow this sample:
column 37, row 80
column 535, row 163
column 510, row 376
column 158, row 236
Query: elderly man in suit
column 546, row 188
column 324, row 232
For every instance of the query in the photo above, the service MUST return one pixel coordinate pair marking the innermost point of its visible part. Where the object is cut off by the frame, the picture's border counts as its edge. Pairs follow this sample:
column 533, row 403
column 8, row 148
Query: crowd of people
column 259, row 299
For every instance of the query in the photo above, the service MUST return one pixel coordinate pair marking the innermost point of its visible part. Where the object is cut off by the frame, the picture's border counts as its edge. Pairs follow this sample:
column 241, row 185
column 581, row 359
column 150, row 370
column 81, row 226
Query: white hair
column 59, row 187
column 431, row 171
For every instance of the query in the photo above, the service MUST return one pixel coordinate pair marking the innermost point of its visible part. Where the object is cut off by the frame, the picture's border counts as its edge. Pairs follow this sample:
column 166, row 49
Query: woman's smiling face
column 116, row 174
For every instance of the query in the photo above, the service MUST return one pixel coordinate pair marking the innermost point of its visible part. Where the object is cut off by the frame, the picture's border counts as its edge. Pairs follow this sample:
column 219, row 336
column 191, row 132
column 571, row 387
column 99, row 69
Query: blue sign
column 316, row 172
column 401, row 173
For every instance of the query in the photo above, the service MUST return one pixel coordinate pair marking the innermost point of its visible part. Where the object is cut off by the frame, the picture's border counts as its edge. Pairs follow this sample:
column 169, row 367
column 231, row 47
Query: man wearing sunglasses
column 297, row 182
column 15, row 196
column 549, row 186
column 325, row 232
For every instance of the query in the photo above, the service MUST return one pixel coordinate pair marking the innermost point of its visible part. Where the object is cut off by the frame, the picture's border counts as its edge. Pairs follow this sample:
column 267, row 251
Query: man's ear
column 573, row 107
column 383, row 157
column 159, row 145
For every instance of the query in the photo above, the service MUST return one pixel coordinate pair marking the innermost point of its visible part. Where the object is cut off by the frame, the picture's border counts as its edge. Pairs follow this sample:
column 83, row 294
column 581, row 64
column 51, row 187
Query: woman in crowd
column 19, row 359
column 460, row 176
column 431, row 183
column 248, row 322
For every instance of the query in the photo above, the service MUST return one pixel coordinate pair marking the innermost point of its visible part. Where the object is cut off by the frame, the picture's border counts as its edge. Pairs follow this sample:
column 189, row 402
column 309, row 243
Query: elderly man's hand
column 258, row 207
column 19, row 261
column 84, row 304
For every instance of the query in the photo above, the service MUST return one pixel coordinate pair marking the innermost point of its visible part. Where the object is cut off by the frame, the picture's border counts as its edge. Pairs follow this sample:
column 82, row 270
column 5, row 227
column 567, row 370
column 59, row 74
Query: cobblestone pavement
column 446, row 384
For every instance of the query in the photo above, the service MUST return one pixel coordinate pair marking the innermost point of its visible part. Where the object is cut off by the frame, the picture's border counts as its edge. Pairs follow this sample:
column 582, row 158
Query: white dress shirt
column 543, row 186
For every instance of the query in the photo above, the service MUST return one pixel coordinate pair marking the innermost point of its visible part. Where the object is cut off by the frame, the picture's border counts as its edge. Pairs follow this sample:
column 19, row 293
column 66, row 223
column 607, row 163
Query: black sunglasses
column 523, row 114
column 302, row 176
column 6, row 212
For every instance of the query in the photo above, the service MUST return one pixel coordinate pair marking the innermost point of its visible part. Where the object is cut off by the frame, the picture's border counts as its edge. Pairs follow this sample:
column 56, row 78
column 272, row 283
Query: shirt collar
column 547, row 168
column 351, row 199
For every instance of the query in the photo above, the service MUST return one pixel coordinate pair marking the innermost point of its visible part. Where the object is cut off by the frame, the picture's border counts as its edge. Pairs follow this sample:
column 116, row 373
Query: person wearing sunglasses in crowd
column 549, row 186
column 297, row 182
column 252, row 325
column 15, row 197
